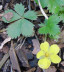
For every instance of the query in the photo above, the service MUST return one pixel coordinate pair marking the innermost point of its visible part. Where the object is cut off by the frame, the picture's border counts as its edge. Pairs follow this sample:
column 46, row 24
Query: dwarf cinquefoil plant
column 53, row 6
column 50, row 26
column 48, row 54
column 20, row 21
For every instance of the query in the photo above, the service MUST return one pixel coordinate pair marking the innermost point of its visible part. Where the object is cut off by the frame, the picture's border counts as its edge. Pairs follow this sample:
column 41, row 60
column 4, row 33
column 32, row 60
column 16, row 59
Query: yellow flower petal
column 44, row 46
column 55, row 58
column 54, row 49
column 40, row 54
column 44, row 63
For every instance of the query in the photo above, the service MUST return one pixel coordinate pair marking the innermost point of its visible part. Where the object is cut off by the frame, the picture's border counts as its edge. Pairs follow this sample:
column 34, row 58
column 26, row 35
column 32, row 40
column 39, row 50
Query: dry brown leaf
column 31, row 70
column 61, row 45
column 23, row 59
column 39, row 69
column 14, row 59
column 36, row 46
column 8, row 16
column 51, row 69
column 62, row 63
column 61, row 70
column 6, row 56
column 5, row 49
column 61, row 40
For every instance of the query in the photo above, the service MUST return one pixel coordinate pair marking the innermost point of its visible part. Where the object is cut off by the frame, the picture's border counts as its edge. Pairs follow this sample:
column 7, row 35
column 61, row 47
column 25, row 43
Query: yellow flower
column 48, row 54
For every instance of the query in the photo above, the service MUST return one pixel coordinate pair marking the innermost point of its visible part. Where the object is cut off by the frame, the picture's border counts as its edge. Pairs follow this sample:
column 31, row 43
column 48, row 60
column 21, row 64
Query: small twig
column 1, row 7
column 5, row 41
column 6, row 65
column 3, row 30
column 44, row 14
column 29, row 6
column 5, row 8
column 13, row 58
column 6, row 56
column 1, row 15
column 36, row 37
column 23, row 42
column 20, row 45
column 11, row 69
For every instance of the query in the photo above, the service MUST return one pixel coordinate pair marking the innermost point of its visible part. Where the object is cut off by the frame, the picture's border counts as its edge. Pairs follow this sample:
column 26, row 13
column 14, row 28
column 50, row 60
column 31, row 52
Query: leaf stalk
column 44, row 14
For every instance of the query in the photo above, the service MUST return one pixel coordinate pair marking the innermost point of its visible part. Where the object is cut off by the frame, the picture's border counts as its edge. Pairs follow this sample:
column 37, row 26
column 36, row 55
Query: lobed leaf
column 21, row 26
column 54, row 6
column 30, row 15
column 27, row 28
column 14, row 30
column 15, row 16
column 54, row 19
column 19, row 8
column 51, row 26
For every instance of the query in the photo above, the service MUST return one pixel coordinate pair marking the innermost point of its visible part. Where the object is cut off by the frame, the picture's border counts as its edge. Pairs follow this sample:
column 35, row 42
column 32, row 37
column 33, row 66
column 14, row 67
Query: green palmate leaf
column 53, row 6
column 27, row 28
column 43, row 30
column 60, row 2
column 51, row 26
column 14, row 30
column 50, row 30
column 19, row 8
column 30, row 15
column 19, row 24
column 53, row 30
column 15, row 16
column 54, row 19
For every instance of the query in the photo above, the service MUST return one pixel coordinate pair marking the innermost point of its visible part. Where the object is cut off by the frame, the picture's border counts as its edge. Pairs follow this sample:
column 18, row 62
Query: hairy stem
column 44, row 14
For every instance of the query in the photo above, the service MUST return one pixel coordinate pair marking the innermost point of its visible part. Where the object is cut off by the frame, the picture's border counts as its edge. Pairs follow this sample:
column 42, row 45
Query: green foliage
column 15, row 16
column 27, row 28
column 30, row 15
column 51, row 26
column 54, row 6
column 19, row 8
column 19, row 24
column 14, row 30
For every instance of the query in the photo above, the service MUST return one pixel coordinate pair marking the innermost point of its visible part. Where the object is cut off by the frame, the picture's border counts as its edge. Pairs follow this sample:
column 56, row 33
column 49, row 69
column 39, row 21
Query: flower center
column 47, row 54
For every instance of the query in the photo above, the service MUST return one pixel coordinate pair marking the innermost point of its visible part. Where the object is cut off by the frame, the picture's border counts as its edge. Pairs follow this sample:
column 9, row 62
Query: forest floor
column 19, row 55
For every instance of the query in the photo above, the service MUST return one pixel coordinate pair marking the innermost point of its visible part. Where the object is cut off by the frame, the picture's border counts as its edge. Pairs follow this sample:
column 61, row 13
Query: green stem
column 45, row 37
